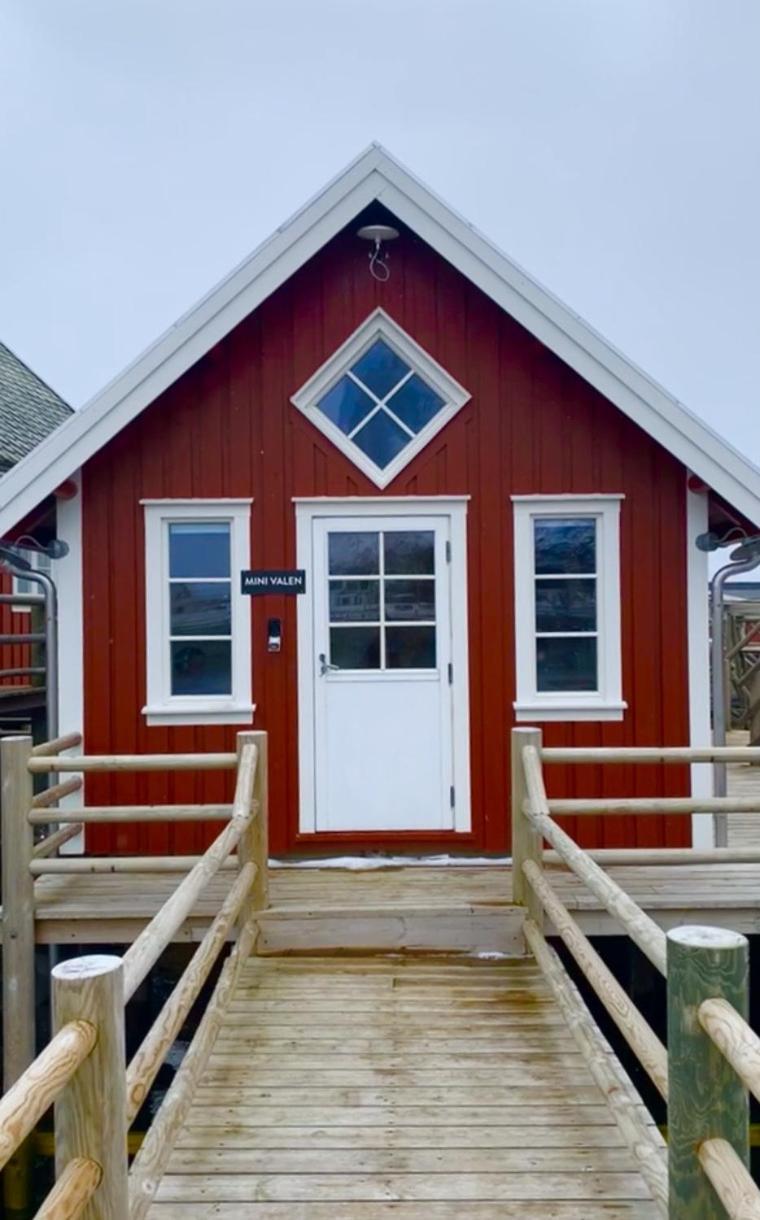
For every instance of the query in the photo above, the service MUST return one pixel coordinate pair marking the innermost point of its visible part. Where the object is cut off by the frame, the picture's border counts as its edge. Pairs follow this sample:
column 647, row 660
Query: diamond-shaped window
column 380, row 398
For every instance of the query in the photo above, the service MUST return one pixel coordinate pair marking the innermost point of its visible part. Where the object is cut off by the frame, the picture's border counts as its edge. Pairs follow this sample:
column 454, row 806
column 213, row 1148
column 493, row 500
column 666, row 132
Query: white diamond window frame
column 379, row 325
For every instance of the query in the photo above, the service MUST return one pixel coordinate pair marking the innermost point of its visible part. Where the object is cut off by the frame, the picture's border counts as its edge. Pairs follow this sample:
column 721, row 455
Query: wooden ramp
column 417, row 1088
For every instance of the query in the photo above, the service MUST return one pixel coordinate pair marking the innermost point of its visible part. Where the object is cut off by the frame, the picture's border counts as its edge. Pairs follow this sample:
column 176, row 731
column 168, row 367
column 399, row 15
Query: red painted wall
column 227, row 428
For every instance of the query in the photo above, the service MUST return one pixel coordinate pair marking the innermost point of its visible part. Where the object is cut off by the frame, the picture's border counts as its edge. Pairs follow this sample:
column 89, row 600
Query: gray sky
column 610, row 146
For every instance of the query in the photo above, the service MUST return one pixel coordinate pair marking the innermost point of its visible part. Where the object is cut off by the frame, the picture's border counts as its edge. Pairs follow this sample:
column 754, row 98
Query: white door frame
column 454, row 508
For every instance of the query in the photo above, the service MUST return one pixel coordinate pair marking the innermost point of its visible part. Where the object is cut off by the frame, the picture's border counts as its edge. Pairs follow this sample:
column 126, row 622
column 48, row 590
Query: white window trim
column 380, row 325
column 161, row 707
column 607, row 703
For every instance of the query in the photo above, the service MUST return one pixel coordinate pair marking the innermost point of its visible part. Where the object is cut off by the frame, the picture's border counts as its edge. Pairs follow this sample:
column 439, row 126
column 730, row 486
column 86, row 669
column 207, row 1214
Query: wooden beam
column 72, row 1192
column 260, row 830
column 91, row 1112
column 113, row 814
column 730, row 1179
column 658, row 806
column 706, row 1100
column 163, row 1032
column 68, row 742
column 18, row 943
column 117, row 864
column 734, row 1038
column 527, row 843
column 641, row 929
column 135, row 762
column 24, row 1104
column 43, row 800
column 639, row 1035
column 644, row 1142
column 651, row 754
column 50, row 845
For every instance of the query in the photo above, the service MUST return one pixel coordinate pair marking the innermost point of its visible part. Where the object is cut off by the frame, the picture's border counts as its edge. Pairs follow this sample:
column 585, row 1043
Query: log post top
column 88, row 967
column 700, row 936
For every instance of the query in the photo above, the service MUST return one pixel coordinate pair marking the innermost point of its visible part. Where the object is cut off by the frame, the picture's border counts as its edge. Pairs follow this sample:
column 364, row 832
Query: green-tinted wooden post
column 526, row 842
column 705, row 1097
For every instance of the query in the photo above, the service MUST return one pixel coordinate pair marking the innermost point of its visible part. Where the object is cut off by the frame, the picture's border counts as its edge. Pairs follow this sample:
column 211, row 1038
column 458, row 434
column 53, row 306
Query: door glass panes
column 566, row 610
column 382, row 599
column 200, row 608
column 381, row 403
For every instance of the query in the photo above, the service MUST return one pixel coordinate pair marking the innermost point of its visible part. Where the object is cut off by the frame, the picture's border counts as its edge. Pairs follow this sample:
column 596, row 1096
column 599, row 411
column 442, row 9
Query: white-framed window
column 198, row 623
column 41, row 562
column 380, row 398
column 567, row 607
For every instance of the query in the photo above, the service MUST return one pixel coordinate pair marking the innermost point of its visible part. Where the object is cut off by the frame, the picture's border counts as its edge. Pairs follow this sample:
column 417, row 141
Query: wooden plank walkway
column 413, row 1089
column 743, row 780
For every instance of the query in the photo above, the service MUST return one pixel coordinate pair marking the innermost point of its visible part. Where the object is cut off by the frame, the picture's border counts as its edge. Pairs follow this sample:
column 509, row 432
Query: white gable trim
column 376, row 175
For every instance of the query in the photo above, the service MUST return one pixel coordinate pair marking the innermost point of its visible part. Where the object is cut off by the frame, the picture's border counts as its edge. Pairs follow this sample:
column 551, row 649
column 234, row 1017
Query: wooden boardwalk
column 420, row 1089
column 743, row 780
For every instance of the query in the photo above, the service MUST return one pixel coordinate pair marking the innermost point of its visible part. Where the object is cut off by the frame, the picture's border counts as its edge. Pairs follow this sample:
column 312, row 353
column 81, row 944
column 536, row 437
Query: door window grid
column 384, row 624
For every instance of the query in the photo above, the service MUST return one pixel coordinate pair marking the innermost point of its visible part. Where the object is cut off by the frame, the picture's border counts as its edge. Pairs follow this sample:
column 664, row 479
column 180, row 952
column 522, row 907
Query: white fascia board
column 376, row 175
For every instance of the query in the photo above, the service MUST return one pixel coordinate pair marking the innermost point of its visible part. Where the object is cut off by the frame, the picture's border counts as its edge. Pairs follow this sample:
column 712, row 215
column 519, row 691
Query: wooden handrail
column 69, row 741
column 157, row 1042
column 734, row 1038
column 650, row 754
column 639, row 1035
column 43, row 800
column 150, row 1162
column 106, row 815
column 144, row 952
column 135, row 762
column 73, row 1190
column 655, row 805
column 49, row 845
column 116, row 864
column 730, row 1179
column 26, row 1101
column 644, row 1142
column 643, row 931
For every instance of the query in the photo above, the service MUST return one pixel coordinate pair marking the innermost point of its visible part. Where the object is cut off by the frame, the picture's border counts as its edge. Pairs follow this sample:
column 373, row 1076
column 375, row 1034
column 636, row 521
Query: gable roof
column 375, row 175
column 29, row 409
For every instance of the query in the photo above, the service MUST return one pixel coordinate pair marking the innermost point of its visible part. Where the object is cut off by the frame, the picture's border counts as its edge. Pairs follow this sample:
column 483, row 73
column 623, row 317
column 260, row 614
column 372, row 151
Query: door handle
column 325, row 666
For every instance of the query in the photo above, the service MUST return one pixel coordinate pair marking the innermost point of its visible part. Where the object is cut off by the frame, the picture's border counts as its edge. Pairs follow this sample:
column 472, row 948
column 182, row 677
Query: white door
column 382, row 674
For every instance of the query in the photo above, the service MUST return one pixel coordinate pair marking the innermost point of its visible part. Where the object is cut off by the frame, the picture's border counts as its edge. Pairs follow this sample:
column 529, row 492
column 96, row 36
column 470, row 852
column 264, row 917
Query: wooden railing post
column 706, row 1099
column 18, row 942
column 254, row 844
column 91, row 1112
column 526, row 842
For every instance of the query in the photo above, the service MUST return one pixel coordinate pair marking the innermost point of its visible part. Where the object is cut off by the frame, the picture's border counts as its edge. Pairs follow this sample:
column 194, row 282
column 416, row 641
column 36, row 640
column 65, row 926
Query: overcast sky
column 610, row 146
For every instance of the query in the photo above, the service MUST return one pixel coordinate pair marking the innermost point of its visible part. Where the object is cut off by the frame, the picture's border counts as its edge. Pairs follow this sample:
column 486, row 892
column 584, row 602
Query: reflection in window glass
column 566, row 663
column 201, row 667
column 409, row 552
column 354, row 601
column 200, row 608
column 566, row 622
column 410, row 599
column 410, row 647
column 355, row 647
column 199, row 548
column 381, row 403
column 354, row 554
column 565, row 544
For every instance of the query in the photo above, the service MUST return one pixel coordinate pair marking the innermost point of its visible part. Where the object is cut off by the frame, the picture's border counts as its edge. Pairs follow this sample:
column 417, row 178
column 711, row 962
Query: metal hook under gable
column 377, row 234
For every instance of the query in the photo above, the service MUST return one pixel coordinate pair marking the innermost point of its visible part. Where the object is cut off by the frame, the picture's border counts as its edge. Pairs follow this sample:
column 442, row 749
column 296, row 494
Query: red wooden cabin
column 494, row 513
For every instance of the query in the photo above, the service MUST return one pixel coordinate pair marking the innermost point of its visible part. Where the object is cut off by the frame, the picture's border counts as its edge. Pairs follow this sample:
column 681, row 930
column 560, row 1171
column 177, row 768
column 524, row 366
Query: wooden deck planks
column 402, row 1105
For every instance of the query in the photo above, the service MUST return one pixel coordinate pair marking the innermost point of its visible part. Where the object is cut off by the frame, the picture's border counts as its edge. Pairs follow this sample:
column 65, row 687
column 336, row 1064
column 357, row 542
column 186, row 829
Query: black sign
column 258, row 583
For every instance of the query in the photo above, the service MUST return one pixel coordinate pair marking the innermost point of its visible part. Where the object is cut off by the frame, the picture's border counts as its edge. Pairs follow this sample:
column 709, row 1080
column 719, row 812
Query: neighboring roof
column 29, row 409
column 375, row 175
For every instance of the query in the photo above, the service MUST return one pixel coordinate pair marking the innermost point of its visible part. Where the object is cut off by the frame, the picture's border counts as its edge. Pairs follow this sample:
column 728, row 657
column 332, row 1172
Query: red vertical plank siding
column 227, row 428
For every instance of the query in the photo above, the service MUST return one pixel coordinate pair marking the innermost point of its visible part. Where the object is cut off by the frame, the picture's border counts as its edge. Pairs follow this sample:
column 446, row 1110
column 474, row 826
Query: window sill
column 230, row 713
column 569, row 711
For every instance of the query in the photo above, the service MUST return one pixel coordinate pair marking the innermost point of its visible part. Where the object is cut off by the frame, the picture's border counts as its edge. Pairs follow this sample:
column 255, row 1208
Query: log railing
column 85, row 1061
column 713, row 1057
